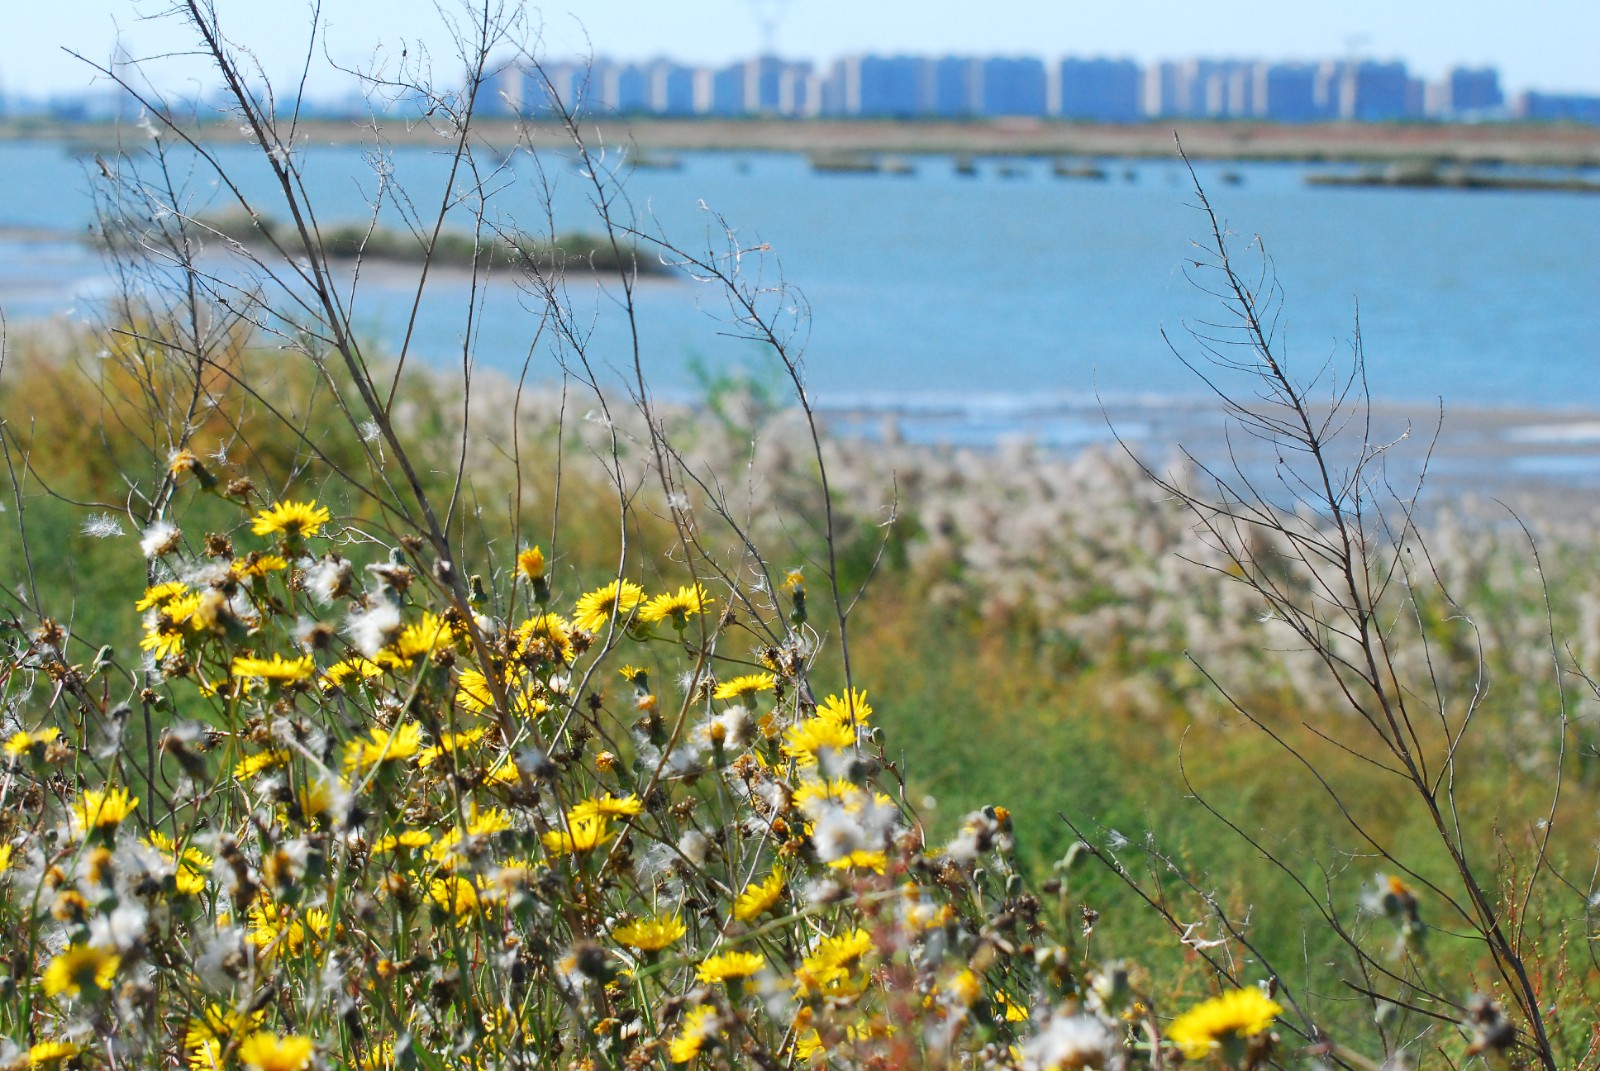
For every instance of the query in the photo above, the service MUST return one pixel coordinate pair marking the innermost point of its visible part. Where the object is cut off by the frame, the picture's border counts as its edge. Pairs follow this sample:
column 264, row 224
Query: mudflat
column 1547, row 144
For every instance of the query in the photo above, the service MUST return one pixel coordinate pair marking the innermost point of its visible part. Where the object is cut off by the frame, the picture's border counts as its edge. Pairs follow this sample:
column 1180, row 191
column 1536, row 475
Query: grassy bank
column 1037, row 631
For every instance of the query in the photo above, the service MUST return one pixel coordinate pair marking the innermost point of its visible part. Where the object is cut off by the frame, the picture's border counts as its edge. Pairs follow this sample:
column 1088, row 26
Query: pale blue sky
column 1544, row 44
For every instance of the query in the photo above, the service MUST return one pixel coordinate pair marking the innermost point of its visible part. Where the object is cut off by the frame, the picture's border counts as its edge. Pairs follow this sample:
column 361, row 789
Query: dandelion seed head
column 102, row 526
column 160, row 538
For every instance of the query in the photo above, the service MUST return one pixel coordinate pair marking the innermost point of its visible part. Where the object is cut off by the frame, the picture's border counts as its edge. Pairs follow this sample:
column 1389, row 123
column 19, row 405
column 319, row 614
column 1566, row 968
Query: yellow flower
column 257, row 564
column 208, row 1035
column 430, row 634
column 581, row 835
column 759, row 896
column 729, row 965
column 409, row 838
column 80, row 967
column 295, row 520
column 22, row 744
column 46, row 1053
column 749, row 684
column 356, row 666
column 651, row 934
column 677, row 606
column 802, row 742
column 385, row 745
column 161, row 594
column 1242, row 1013
column 456, row 895
column 5, row 857
column 530, row 563
column 608, row 806
column 103, row 811
column 166, row 628
column 277, row 668
column 274, row 929
column 827, row 969
column 545, row 638
column 189, row 867
column 266, row 1051
column 252, row 765
column 448, row 744
column 794, row 581
column 852, row 710
column 699, row 1025
column 594, row 610
column 875, row 861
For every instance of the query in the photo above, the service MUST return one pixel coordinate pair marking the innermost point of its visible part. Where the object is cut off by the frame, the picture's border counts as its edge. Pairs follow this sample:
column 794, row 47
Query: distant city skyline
column 1547, row 45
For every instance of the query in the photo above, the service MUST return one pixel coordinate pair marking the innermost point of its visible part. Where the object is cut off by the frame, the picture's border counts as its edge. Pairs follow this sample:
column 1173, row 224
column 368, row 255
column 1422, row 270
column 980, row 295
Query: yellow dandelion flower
column 277, row 669
column 842, row 791
column 1014, row 1012
column 97, row 810
column 402, row 742
column 639, row 678
column 80, row 967
column 189, row 867
column 677, row 606
column 274, row 929
column 650, row 934
column 827, row 969
column 337, row 674
column 266, row 1051
column 257, row 564
column 794, row 581
column 808, row 1045
column 5, row 857
column 449, row 743
column 161, row 594
column 803, row 742
column 294, row 520
column 875, row 861
column 430, row 634
column 379, row 1057
column 472, row 691
column 841, row 950
column 759, row 896
column 852, row 710
column 699, row 1026
column 530, row 563
column 740, row 688
column 729, row 966
column 169, row 624
column 206, row 1036
column 50, row 1053
column 595, row 609
column 608, row 806
column 32, row 744
column 408, row 839
column 254, row 765
column 1208, row 1026
column 456, row 895
column 545, row 638
column 581, row 835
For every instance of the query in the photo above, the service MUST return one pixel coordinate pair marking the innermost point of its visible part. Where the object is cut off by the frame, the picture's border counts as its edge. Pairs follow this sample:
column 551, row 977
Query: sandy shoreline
column 1551, row 144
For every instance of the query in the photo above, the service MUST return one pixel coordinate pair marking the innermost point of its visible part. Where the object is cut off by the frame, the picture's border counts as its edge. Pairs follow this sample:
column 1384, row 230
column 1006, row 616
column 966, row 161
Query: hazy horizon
column 1547, row 47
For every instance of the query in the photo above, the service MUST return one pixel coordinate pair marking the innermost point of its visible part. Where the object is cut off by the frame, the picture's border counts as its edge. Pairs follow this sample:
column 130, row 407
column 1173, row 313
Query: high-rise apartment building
column 1103, row 90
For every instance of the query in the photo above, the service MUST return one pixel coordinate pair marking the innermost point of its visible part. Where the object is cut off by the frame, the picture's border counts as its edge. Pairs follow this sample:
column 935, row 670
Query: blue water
column 996, row 295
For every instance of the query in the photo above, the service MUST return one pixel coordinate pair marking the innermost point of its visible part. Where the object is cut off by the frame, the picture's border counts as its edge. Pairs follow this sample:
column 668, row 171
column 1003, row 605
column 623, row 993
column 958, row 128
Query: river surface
column 971, row 305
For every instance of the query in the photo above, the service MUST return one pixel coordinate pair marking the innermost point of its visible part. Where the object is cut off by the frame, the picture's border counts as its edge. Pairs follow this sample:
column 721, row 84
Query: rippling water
column 997, row 297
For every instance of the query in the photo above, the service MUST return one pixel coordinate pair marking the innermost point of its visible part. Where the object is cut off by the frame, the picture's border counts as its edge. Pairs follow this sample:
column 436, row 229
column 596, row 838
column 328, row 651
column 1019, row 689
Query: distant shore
column 1542, row 144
